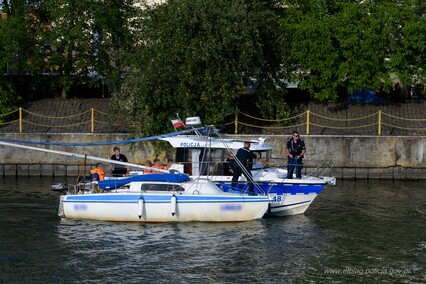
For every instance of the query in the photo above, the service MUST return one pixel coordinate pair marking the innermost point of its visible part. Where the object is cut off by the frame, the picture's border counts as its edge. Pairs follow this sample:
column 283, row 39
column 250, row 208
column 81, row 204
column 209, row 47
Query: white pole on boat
column 70, row 154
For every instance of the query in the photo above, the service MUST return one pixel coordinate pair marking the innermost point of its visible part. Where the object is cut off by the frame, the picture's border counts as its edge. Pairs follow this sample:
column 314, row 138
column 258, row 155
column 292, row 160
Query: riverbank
column 353, row 157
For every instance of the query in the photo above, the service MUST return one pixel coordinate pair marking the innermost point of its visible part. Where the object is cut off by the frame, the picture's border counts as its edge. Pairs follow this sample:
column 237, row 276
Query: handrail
column 344, row 119
column 274, row 120
column 56, row 117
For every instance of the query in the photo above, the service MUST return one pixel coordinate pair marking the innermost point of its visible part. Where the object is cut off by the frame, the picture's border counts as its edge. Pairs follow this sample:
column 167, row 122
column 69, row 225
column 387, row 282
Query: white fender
column 140, row 207
column 173, row 205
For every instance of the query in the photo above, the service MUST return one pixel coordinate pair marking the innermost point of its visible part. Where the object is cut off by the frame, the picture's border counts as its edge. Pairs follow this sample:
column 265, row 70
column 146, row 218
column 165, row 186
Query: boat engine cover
column 60, row 186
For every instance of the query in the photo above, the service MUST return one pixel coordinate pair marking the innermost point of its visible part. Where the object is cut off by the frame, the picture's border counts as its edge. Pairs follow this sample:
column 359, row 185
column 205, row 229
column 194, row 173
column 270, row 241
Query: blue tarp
column 116, row 183
column 364, row 96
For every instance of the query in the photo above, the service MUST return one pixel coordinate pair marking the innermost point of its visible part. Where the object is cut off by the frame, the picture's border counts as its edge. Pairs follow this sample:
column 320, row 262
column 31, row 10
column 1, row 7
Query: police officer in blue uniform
column 295, row 150
column 245, row 157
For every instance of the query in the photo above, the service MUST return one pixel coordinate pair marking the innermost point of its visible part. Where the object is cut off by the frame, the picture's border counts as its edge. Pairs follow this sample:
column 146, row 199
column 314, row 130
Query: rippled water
column 355, row 232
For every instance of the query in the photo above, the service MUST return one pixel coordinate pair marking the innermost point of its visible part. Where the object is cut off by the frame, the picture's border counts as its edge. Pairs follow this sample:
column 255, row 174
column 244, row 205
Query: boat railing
column 217, row 168
column 313, row 168
column 211, row 168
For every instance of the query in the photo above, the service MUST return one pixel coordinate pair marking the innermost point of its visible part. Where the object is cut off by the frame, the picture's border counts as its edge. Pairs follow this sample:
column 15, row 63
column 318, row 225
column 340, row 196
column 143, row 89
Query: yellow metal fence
column 85, row 121
column 92, row 120
column 373, row 123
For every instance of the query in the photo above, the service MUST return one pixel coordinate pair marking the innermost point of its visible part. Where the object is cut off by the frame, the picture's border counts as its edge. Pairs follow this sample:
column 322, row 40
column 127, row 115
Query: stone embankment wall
column 374, row 157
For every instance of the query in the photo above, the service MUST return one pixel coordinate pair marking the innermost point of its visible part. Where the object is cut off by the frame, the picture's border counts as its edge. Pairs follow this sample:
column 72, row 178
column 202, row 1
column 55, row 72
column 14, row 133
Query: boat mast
column 70, row 154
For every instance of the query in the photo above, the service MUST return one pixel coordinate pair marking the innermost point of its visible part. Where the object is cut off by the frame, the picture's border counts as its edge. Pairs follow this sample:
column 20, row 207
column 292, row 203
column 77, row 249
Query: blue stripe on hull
column 279, row 188
column 132, row 198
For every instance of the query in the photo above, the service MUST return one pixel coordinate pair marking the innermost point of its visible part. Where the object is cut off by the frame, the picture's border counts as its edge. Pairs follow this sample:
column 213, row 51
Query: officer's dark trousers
column 237, row 173
column 292, row 164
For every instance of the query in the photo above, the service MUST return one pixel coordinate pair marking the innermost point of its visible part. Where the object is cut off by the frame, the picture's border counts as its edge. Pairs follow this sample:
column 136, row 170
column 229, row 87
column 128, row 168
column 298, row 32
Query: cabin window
column 211, row 161
column 263, row 154
column 161, row 187
column 183, row 156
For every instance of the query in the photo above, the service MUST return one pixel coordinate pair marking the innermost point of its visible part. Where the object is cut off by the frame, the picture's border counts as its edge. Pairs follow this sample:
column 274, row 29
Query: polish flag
column 178, row 123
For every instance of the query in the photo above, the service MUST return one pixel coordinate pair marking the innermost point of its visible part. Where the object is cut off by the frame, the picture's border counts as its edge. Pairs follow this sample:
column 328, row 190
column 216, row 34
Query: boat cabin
column 202, row 155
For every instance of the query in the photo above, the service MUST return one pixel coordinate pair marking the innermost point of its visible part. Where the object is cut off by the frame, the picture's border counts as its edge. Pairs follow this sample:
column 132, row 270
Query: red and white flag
column 178, row 123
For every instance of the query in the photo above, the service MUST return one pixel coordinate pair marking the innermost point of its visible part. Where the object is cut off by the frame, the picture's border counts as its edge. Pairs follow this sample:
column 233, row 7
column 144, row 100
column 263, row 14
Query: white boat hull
column 288, row 196
column 290, row 204
column 127, row 207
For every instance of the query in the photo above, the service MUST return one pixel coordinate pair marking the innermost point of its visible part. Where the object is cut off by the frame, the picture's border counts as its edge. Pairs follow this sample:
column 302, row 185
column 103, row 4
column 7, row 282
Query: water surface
column 356, row 232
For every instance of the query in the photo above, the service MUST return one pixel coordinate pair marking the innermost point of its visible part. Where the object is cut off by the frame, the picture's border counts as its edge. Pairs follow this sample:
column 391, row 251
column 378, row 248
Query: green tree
column 87, row 37
column 408, row 51
column 8, row 99
column 17, row 48
column 113, row 38
column 18, row 37
column 65, row 39
column 7, row 92
column 193, row 56
column 69, row 40
column 354, row 44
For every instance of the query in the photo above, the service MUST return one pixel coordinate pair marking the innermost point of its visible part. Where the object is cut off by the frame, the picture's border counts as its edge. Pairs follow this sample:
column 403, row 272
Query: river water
column 355, row 232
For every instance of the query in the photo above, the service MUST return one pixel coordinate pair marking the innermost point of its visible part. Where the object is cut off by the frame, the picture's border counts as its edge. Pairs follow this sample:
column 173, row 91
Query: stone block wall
column 375, row 157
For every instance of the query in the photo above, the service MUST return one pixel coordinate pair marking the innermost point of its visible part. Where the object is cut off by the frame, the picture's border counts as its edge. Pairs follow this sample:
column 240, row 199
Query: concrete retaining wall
column 375, row 157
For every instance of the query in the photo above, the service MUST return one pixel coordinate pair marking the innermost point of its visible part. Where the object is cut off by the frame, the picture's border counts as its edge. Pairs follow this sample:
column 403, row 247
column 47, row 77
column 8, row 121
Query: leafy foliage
column 197, row 57
column 355, row 44
column 114, row 22
column 66, row 39
column 194, row 55
column 408, row 53
column 8, row 99
column 18, row 47
column 89, row 36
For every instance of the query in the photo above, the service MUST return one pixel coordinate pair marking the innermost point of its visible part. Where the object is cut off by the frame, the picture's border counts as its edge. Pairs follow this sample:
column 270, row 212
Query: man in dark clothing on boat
column 295, row 150
column 242, row 164
column 228, row 166
column 118, row 170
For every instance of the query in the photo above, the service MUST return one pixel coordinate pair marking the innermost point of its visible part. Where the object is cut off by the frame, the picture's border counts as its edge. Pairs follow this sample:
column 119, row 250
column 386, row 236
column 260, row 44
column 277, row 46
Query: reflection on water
column 185, row 251
column 354, row 232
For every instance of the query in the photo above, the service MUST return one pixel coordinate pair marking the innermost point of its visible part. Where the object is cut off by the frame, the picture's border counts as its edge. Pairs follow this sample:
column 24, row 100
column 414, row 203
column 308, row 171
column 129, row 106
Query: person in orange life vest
column 147, row 164
column 98, row 172
column 158, row 165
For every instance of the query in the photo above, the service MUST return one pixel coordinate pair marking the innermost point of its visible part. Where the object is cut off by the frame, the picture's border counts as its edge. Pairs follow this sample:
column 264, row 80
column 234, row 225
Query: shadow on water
column 354, row 232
